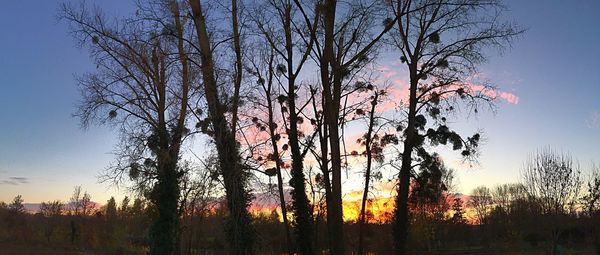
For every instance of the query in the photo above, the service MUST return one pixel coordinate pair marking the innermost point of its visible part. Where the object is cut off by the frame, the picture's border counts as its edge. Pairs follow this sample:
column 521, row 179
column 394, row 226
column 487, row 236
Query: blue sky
column 554, row 70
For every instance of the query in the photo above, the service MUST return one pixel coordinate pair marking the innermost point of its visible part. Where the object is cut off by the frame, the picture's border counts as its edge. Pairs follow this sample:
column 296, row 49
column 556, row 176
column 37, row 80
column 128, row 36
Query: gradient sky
column 554, row 70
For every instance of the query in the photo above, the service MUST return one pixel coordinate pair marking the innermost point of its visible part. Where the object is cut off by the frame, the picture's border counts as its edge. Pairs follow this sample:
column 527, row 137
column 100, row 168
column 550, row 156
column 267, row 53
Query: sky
column 553, row 69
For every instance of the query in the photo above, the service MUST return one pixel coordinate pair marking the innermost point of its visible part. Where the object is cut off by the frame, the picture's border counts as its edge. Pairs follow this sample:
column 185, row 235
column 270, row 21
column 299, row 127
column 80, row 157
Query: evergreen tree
column 111, row 209
column 457, row 206
column 124, row 210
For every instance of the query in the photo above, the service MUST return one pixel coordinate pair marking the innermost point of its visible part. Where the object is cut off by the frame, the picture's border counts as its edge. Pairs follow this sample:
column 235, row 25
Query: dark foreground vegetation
column 555, row 210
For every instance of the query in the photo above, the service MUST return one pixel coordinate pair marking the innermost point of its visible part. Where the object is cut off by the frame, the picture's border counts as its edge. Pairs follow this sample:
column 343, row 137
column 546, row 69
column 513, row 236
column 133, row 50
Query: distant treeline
column 554, row 210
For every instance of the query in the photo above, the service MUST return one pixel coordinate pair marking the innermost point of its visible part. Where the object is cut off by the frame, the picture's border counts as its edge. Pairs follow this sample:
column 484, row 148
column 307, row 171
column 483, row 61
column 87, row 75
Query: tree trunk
column 300, row 202
column 302, row 212
column 286, row 224
column 239, row 229
column 237, row 83
column 335, row 207
column 401, row 213
column 165, row 196
column 323, row 139
column 331, row 113
column 362, row 219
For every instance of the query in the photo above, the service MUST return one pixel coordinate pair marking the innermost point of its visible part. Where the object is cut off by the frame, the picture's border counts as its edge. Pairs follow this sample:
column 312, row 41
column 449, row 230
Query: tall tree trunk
column 237, row 83
column 165, row 196
column 331, row 113
column 401, row 213
column 335, row 208
column 286, row 223
column 331, row 93
column 323, row 140
column 362, row 218
column 300, row 202
column 302, row 212
column 239, row 228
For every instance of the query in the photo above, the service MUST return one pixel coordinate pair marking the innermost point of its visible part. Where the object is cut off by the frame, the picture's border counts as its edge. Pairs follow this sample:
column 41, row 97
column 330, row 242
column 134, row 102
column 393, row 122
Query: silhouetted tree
column 458, row 216
column 441, row 43
column 124, row 209
column 80, row 204
column 110, row 222
column 481, row 201
column 51, row 211
column 142, row 85
column 291, row 38
column 592, row 197
column 554, row 180
column 591, row 203
column 374, row 144
column 429, row 202
column 16, row 207
column 239, row 226
column 369, row 145
column 263, row 68
column 15, row 213
column 111, row 209
column 138, row 207
column 347, row 39
column 198, row 190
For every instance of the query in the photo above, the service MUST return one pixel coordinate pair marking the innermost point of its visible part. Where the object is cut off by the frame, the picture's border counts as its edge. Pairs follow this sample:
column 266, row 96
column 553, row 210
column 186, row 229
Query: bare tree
column 264, row 70
column 591, row 202
column 16, row 207
column 553, row 179
column 51, row 210
column 80, row 204
column 505, row 195
column 441, row 43
column 240, row 230
column 347, row 40
column 291, row 38
column 591, row 199
column 481, row 201
column 142, row 85
column 374, row 143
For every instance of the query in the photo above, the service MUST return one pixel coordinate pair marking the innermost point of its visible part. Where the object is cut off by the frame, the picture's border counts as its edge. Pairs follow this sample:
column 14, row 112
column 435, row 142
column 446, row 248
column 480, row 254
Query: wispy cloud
column 14, row 180
column 495, row 93
column 509, row 97
column 594, row 120
column 399, row 90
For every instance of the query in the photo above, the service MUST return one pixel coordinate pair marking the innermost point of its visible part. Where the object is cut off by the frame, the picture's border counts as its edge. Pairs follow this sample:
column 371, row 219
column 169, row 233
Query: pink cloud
column 399, row 91
column 509, row 97
column 494, row 93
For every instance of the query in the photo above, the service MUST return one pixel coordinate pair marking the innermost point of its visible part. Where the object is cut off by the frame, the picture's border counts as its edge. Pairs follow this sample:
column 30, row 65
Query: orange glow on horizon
column 378, row 210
